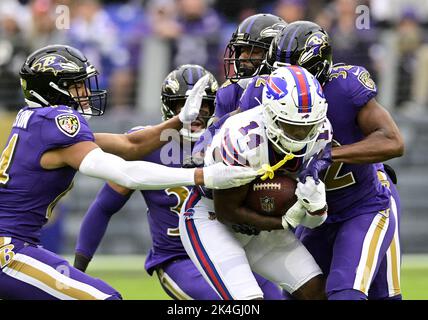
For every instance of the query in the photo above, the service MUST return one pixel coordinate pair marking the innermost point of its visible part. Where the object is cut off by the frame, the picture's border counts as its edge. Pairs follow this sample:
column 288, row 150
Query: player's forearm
column 138, row 144
column 376, row 147
column 136, row 175
column 117, row 144
column 243, row 215
column 144, row 142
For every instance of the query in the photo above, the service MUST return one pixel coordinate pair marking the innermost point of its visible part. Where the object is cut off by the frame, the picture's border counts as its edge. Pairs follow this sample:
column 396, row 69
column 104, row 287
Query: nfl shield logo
column 267, row 204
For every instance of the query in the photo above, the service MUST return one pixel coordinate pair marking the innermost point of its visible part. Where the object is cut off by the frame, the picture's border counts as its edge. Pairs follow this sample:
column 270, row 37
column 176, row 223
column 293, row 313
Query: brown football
column 272, row 197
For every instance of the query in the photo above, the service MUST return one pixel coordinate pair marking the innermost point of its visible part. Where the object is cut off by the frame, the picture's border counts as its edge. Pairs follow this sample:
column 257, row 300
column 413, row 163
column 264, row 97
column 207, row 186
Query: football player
column 361, row 232
column 243, row 57
column 49, row 142
column 177, row 274
column 286, row 130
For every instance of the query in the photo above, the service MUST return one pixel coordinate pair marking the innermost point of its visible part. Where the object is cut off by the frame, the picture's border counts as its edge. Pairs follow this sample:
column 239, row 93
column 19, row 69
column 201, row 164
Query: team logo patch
column 69, row 124
column 314, row 46
column 271, row 31
column 366, row 80
column 276, row 88
column 55, row 63
column 267, row 204
column 172, row 84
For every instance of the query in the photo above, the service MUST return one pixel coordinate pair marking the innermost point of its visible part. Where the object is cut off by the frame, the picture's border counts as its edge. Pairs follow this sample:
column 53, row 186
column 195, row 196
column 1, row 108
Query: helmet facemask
column 176, row 89
column 203, row 119
column 290, row 137
column 170, row 108
column 236, row 67
column 84, row 94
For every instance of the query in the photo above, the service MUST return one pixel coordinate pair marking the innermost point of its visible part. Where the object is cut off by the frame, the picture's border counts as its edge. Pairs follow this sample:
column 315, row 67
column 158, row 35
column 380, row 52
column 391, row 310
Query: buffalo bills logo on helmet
column 313, row 46
column 276, row 88
column 55, row 63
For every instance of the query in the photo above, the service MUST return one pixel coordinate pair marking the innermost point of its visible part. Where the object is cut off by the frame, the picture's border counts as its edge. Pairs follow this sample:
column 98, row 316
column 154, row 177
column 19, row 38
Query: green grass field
column 127, row 275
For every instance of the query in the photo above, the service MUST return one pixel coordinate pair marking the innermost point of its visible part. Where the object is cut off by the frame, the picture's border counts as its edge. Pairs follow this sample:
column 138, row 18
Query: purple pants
column 386, row 284
column 182, row 281
column 31, row 272
column 360, row 253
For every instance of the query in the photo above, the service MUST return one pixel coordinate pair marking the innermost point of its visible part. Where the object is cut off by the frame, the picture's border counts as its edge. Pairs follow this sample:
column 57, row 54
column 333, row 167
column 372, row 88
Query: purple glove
column 315, row 165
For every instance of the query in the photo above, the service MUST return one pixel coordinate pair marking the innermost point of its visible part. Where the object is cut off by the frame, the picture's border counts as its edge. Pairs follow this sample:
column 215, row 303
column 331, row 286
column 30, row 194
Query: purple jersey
column 163, row 209
column 28, row 193
column 226, row 101
column 228, row 96
column 352, row 189
column 252, row 95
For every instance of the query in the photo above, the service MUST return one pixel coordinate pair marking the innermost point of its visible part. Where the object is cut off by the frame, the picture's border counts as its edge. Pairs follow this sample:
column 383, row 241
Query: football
column 272, row 197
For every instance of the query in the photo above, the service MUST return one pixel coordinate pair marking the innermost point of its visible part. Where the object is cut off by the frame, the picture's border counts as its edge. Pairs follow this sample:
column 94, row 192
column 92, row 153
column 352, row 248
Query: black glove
column 391, row 173
column 245, row 229
column 81, row 262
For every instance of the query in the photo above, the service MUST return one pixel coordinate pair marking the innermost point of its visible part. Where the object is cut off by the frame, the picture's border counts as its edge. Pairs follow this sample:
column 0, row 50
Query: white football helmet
column 294, row 109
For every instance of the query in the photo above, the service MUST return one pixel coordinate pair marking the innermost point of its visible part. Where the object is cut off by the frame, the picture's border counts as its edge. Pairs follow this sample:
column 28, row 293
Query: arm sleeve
column 141, row 175
column 95, row 222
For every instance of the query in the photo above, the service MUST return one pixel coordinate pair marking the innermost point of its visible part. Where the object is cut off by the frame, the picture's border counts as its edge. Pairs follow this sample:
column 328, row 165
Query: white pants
column 226, row 259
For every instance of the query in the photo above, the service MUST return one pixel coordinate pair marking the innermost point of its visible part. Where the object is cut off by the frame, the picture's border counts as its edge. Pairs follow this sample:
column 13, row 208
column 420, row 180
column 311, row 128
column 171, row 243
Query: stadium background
column 136, row 43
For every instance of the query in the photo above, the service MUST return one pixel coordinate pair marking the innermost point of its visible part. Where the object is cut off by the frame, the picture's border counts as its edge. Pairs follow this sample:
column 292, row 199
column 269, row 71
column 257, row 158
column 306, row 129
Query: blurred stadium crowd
column 115, row 35
column 135, row 43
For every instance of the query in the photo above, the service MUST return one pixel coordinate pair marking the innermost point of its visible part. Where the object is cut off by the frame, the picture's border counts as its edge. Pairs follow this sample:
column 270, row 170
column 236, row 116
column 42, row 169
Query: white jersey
column 242, row 140
column 226, row 259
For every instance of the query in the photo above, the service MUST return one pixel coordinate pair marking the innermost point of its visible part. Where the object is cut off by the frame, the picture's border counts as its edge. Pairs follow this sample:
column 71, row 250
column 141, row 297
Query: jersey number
column 333, row 180
column 253, row 139
column 6, row 159
column 181, row 194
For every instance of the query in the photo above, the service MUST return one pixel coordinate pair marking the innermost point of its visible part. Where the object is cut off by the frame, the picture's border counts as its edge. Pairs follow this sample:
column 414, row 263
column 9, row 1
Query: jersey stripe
column 200, row 252
column 229, row 153
column 50, row 280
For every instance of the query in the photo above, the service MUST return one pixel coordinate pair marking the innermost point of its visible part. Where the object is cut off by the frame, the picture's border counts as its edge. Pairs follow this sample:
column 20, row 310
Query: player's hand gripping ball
column 272, row 197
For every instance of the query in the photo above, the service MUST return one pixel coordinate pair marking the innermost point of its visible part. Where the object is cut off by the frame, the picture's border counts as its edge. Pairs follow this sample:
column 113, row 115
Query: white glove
column 190, row 110
column 311, row 195
column 298, row 214
column 294, row 215
column 221, row 176
column 312, row 221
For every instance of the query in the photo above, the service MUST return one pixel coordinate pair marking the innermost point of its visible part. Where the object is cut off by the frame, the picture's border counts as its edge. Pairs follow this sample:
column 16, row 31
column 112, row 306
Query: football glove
column 293, row 216
column 221, row 176
column 312, row 221
column 298, row 215
column 312, row 195
column 190, row 110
